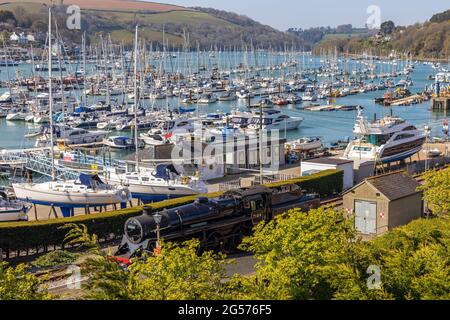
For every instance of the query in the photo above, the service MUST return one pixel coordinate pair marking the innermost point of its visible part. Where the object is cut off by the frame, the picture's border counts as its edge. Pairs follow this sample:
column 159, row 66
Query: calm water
column 329, row 125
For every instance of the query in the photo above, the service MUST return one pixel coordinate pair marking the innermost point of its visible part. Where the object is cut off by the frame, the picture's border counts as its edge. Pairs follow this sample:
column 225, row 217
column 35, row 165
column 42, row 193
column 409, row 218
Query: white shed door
column 365, row 217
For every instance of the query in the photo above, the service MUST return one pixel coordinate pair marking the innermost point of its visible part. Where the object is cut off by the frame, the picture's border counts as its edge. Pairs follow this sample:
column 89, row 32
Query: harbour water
column 330, row 125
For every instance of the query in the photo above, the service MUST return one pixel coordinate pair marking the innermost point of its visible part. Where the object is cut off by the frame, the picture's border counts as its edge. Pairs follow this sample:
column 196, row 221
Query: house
column 215, row 159
column 14, row 37
column 309, row 167
column 383, row 202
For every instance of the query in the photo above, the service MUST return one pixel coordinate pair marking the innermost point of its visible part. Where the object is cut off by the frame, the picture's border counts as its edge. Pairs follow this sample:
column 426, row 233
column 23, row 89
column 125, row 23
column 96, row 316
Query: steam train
column 219, row 223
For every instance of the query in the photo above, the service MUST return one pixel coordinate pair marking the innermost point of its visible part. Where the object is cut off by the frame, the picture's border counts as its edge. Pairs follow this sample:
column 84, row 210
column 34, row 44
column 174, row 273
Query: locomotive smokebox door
column 258, row 209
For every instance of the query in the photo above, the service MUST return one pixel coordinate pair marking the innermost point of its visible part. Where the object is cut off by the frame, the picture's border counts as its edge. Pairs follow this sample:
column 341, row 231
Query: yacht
column 12, row 210
column 385, row 140
column 157, row 184
column 86, row 191
column 164, row 130
column 207, row 99
column 309, row 96
column 70, row 136
column 228, row 96
column 306, row 144
column 5, row 97
column 119, row 142
column 245, row 94
column 17, row 115
column 240, row 119
column 274, row 120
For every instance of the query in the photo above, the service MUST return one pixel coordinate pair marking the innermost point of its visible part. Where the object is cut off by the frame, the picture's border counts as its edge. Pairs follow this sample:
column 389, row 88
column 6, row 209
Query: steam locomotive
column 219, row 223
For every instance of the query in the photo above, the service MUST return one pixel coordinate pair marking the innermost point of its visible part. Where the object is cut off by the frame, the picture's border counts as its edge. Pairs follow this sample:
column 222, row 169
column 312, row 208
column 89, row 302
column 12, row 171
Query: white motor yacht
column 385, row 140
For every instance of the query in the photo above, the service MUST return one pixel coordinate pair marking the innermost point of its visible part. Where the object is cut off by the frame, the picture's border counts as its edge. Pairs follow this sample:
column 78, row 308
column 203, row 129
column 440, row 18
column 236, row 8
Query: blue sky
column 282, row 14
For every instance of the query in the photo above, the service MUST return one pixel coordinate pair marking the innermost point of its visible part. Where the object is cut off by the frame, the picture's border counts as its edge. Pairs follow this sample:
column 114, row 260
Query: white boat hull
column 45, row 195
column 11, row 214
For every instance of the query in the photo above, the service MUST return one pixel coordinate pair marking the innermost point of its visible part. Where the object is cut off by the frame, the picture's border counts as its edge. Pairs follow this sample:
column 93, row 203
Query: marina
column 249, row 151
column 120, row 113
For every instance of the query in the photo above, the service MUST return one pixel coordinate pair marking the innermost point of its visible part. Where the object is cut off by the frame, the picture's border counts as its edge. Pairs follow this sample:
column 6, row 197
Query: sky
column 283, row 14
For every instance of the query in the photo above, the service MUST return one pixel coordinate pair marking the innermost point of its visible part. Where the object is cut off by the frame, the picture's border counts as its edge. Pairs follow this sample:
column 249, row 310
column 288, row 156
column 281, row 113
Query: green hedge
column 33, row 234
column 325, row 183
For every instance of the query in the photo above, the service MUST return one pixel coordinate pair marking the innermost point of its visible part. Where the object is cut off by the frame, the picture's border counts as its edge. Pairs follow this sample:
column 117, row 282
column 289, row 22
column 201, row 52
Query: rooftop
column 326, row 160
column 393, row 185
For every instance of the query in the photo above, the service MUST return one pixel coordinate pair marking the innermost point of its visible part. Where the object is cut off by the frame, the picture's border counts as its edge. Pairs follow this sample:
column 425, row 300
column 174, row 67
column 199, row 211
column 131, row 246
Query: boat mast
column 50, row 96
column 136, row 99
column 84, row 67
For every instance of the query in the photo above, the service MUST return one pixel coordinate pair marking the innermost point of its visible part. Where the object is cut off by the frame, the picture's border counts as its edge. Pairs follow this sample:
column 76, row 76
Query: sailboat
column 86, row 191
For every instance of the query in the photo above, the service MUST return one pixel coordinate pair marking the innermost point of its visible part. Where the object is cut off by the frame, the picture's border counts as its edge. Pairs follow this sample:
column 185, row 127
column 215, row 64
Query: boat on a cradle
column 432, row 153
column 87, row 191
column 121, row 142
column 386, row 140
column 157, row 184
column 305, row 144
column 12, row 210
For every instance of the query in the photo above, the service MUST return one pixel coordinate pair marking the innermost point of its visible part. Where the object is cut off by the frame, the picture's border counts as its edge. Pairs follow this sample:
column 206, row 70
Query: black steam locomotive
column 219, row 223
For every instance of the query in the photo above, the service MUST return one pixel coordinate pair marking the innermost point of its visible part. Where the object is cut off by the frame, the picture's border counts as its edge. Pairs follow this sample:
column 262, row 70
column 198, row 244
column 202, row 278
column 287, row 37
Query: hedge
column 34, row 234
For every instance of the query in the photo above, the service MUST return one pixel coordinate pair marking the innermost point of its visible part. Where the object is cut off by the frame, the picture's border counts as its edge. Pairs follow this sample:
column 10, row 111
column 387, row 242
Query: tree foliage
column 306, row 256
column 441, row 17
column 18, row 284
column 7, row 17
column 317, row 256
column 387, row 27
column 422, row 40
column 436, row 190
column 177, row 273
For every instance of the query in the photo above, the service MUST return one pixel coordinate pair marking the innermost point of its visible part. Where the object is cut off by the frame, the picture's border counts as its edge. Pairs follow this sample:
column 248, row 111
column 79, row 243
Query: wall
column 403, row 211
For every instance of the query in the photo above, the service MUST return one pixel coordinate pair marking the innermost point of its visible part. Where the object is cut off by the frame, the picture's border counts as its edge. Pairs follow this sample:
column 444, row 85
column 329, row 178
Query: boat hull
column 157, row 192
column 39, row 194
column 10, row 215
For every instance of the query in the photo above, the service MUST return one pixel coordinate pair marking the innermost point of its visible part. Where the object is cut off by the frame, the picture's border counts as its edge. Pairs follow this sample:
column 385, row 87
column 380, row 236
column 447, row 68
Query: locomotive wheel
column 214, row 242
column 236, row 239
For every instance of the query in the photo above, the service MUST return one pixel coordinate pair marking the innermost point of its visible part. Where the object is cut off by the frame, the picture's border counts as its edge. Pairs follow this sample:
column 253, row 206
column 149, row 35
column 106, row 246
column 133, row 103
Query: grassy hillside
column 122, row 5
column 204, row 28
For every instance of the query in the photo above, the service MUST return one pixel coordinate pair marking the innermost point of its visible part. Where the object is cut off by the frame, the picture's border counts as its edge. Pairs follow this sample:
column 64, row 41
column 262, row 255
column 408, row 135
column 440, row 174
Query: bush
column 55, row 258
column 325, row 183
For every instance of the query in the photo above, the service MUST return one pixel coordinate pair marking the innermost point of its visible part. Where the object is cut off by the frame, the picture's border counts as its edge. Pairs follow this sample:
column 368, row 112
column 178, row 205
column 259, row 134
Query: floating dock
column 440, row 103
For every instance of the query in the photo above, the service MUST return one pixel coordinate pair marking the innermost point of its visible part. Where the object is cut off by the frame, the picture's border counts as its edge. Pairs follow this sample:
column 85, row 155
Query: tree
column 414, row 260
column 179, row 272
column 436, row 190
column 387, row 27
column 306, row 256
column 17, row 284
column 7, row 16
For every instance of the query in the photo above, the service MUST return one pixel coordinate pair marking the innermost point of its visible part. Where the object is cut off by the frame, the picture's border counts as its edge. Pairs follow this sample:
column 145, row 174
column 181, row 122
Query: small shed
column 381, row 203
column 309, row 167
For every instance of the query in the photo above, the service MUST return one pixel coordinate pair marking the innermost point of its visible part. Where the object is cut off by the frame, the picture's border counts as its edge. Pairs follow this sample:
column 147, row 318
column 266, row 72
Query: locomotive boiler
column 218, row 223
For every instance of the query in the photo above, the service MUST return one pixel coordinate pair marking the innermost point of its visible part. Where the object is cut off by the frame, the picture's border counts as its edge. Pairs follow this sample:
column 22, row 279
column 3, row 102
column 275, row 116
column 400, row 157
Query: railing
column 38, row 161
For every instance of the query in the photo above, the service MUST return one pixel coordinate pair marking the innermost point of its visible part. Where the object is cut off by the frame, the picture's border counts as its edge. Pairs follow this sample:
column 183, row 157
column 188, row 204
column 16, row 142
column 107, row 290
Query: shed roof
column 326, row 160
column 394, row 185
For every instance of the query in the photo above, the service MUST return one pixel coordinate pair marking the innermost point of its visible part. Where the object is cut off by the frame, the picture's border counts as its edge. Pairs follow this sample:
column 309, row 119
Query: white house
column 310, row 167
column 14, row 37
column 31, row 38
